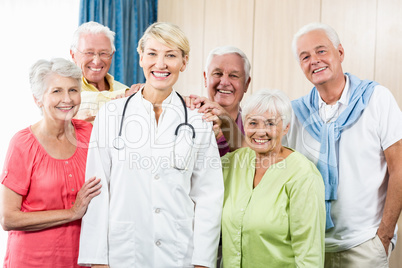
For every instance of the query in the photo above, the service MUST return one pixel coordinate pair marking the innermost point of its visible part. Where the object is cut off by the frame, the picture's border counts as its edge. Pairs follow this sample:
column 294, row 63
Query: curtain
column 128, row 19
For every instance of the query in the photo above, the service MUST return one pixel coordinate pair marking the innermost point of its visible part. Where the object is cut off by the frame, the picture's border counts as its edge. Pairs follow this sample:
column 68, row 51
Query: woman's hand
column 12, row 218
column 89, row 190
column 99, row 266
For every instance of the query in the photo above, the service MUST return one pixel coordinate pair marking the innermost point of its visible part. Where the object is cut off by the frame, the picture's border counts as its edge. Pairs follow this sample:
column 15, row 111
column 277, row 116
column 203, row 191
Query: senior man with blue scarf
column 352, row 130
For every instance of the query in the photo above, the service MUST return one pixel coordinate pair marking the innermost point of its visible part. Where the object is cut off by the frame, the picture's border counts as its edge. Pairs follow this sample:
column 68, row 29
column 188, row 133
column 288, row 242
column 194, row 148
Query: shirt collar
column 109, row 79
column 344, row 100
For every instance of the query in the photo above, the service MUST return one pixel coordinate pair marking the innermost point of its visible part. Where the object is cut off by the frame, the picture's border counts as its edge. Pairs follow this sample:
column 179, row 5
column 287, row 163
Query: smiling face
column 226, row 80
column 161, row 65
column 319, row 59
column 94, row 68
column 264, row 132
column 62, row 98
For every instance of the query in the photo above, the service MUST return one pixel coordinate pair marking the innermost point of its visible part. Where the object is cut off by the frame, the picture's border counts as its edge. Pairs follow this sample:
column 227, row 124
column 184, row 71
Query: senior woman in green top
column 274, row 209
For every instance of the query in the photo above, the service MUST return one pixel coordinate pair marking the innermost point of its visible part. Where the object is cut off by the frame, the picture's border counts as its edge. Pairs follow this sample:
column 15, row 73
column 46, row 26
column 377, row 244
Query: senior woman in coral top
column 43, row 194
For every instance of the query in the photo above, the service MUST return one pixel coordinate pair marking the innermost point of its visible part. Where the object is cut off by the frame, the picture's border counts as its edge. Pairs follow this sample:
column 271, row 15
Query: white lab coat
column 150, row 214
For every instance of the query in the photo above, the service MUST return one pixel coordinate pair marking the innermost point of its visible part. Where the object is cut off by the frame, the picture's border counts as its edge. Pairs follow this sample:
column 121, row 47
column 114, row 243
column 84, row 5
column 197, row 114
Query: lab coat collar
column 172, row 109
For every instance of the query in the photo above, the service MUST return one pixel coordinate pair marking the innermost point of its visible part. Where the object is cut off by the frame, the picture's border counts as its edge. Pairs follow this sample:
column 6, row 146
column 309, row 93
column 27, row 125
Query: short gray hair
column 92, row 27
column 219, row 51
column 266, row 100
column 328, row 30
column 41, row 70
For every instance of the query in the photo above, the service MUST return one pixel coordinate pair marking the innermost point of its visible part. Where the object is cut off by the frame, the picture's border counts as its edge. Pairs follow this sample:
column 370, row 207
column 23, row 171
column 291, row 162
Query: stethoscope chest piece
column 118, row 143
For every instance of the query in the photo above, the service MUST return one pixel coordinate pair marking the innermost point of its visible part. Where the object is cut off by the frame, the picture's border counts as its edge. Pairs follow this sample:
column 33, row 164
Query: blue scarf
column 328, row 134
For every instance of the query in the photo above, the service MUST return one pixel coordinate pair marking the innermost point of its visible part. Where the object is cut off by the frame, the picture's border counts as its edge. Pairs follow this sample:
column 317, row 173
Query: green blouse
column 279, row 223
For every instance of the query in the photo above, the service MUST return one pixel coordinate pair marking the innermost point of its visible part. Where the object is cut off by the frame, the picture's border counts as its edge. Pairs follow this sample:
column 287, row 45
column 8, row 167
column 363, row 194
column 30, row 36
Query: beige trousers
column 370, row 254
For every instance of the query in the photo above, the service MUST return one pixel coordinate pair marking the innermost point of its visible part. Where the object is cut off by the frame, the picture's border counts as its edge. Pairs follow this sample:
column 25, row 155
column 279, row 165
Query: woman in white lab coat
column 161, row 200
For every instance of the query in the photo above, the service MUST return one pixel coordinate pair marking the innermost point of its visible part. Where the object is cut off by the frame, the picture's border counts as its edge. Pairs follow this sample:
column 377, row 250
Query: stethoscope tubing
column 118, row 139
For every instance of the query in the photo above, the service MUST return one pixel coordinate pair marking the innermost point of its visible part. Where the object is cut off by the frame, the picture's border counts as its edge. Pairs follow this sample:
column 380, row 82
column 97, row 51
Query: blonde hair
column 168, row 34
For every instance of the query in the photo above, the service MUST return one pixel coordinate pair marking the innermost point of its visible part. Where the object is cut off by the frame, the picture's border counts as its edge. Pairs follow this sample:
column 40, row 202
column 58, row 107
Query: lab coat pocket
column 122, row 244
column 184, row 241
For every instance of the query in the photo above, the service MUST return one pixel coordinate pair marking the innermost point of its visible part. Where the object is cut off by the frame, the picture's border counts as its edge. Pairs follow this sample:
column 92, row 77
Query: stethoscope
column 118, row 142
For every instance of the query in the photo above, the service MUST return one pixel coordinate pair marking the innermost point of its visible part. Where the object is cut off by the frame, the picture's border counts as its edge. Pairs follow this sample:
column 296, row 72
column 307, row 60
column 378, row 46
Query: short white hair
column 219, row 51
column 274, row 101
column 92, row 27
column 42, row 69
column 328, row 30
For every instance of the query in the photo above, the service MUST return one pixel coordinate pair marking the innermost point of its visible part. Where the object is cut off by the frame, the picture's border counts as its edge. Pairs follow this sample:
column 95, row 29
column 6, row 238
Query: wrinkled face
column 62, row 98
column 319, row 59
column 94, row 67
column 264, row 132
column 226, row 80
column 161, row 64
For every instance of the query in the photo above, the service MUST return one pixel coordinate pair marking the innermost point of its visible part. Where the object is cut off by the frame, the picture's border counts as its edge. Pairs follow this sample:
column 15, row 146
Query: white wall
column 30, row 30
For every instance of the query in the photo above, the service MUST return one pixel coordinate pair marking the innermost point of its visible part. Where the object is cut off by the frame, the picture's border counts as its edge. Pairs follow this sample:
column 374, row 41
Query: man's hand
column 195, row 101
column 85, row 115
column 385, row 239
column 133, row 89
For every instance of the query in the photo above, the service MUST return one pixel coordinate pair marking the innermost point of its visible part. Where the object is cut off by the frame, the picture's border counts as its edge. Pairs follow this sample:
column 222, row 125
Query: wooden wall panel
column 355, row 23
column 388, row 55
column 228, row 22
column 273, row 62
column 189, row 15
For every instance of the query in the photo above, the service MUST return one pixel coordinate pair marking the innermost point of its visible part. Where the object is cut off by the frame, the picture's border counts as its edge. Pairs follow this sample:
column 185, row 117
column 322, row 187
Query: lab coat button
column 156, row 177
column 157, row 210
column 158, row 243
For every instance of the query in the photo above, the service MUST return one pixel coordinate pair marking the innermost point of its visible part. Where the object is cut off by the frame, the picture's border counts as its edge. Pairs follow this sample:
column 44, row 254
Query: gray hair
column 219, row 51
column 92, row 27
column 42, row 69
column 328, row 30
column 265, row 100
